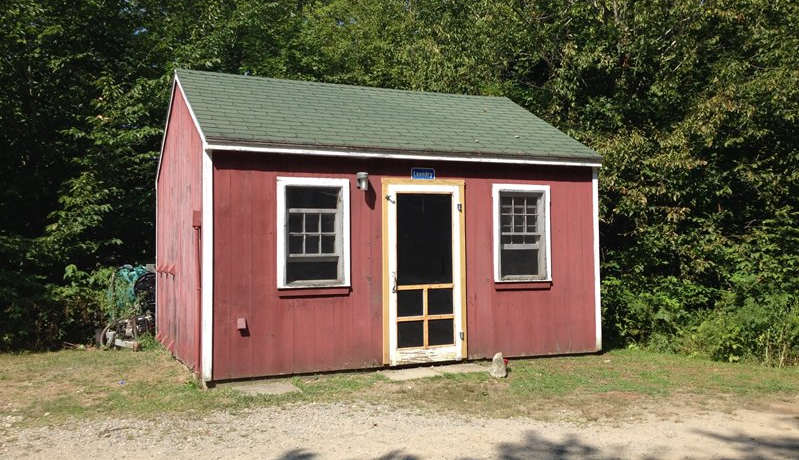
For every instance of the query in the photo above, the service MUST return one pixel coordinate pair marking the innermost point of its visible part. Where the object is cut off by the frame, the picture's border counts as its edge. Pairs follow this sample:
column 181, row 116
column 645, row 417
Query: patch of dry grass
column 614, row 385
column 50, row 388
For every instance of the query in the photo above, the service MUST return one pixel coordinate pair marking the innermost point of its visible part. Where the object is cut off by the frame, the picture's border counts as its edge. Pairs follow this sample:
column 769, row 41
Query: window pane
column 507, row 223
column 424, row 238
column 312, row 244
column 328, row 222
column 312, row 197
column 328, row 244
column 311, row 271
column 409, row 303
column 312, row 222
column 516, row 262
column 518, row 223
column 410, row 334
column 439, row 301
column 295, row 245
column 295, row 222
column 440, row 332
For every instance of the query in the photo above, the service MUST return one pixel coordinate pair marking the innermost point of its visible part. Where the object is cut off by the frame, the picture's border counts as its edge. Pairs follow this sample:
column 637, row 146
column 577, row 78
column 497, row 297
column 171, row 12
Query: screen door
column 424, row 269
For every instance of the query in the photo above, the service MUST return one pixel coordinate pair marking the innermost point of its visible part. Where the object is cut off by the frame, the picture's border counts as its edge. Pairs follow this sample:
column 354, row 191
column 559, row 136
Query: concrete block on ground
column 409, row 374
column 463, row 368
column 263, row 388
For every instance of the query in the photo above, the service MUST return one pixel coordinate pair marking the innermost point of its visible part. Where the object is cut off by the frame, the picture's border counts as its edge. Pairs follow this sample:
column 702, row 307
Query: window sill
column 311, row 291
column 522, row 285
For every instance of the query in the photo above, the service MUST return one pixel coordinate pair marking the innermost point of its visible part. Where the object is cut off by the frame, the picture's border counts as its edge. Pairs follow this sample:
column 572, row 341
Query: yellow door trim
column 460, row 184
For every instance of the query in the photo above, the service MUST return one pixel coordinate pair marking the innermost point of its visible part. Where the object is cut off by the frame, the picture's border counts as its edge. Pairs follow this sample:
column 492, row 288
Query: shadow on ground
column 535, row 447
column 752, row 448
column 302, row 454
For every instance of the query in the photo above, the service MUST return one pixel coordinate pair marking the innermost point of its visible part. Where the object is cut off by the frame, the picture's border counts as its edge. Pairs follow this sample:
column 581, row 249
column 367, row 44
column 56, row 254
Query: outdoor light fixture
column 363, row 180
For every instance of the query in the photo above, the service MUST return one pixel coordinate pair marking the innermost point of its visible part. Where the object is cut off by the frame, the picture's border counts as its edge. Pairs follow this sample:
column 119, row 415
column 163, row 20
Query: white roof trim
column 400, row 155
column 176, row 86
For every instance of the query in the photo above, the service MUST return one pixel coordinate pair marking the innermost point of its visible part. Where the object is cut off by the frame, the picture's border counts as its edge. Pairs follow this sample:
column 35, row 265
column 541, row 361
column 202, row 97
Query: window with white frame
column 313, row 240
column 521, row 232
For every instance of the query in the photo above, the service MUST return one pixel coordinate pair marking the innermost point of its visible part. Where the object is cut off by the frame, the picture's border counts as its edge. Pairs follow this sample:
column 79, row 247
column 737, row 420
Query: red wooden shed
column 307, row 227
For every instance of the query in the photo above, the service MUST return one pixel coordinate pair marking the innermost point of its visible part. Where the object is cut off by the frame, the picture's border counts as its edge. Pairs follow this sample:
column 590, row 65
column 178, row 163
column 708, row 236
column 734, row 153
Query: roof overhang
column 233, row 145
column 397, row 154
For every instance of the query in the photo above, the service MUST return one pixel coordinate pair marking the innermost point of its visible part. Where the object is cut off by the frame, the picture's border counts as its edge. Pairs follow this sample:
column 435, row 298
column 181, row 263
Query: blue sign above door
column 423, row 173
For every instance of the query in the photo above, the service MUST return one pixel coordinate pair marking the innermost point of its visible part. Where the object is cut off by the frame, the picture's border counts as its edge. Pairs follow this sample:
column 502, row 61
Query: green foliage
column 699, row 185
column 636, row 310
column 758, row 316
column 120, row 299
column 149, row 343
column 694, row 106
column 59, row 199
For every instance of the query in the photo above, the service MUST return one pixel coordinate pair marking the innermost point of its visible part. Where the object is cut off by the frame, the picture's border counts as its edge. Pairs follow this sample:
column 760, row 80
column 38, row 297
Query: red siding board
column 294, row 334
column 261, row 314
column 224, row 226
column 374, row 341
column 240, row 251
column 282, row 332
column 179, row 195
column 481, row 319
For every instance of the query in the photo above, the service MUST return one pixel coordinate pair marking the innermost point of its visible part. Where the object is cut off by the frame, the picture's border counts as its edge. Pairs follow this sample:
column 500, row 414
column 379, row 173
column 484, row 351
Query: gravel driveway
column 342, row 431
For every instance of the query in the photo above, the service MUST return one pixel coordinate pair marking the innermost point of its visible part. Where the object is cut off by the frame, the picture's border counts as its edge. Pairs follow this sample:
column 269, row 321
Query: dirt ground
column 359, row 431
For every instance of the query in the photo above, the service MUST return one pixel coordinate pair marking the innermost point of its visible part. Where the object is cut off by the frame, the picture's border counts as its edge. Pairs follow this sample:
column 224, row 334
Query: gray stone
column 497, row 368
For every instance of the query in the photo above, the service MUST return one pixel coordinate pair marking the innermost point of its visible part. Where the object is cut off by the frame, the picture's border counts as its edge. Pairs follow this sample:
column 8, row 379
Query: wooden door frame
column 459, row 202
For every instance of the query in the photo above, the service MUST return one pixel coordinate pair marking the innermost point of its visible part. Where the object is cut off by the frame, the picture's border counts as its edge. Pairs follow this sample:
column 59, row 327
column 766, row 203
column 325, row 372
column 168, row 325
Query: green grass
column 51, row 388
column 335, row 385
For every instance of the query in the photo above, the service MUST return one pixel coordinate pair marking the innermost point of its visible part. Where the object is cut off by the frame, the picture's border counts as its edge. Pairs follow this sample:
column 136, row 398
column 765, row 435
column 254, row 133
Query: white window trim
column 282, row 183
column 496, row 189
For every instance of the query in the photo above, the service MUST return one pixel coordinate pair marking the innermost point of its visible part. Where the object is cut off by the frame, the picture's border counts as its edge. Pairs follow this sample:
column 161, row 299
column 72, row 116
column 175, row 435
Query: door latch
column 461, row 335
column 394, row 285
column 390, row 200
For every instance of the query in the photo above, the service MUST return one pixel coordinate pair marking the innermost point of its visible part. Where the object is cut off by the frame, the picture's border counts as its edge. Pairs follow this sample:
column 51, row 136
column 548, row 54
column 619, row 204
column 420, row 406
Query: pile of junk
column 130, row 302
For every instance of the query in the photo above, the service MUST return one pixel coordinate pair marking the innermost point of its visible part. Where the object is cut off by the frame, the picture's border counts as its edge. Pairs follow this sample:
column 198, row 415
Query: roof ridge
column 341, row 85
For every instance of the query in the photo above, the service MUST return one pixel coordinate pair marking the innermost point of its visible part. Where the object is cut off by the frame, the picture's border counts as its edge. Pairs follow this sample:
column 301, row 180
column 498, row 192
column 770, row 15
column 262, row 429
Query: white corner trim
column 495, row 191
column 282, row 182
column 400, row 155
column 207, row 281
column 597, row 300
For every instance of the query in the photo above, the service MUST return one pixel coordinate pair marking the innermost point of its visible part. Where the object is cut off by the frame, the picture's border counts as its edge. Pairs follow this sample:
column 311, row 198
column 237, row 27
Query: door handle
column 394, row 279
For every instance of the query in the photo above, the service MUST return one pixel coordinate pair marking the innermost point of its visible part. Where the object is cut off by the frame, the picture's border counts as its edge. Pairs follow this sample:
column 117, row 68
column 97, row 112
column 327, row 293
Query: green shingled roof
column 264, row 111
